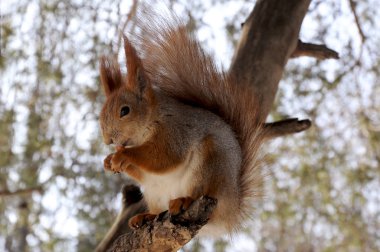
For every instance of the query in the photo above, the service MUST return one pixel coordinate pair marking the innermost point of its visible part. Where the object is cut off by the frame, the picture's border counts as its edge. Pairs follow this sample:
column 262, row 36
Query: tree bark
column 166, row 232
column 132, row 204
column 320, row 52
column 285, row 127
column 268, row 39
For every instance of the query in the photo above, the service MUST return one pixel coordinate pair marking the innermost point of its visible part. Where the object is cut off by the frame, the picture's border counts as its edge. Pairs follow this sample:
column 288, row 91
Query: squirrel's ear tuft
column 138, row 81
column 110, row 75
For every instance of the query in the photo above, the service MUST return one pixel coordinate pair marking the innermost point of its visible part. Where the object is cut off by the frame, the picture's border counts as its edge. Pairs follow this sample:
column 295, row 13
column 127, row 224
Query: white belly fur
column 159, row 189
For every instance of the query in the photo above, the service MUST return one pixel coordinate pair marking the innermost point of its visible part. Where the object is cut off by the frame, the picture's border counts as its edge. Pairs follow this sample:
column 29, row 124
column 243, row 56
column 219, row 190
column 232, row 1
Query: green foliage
column 6, row 122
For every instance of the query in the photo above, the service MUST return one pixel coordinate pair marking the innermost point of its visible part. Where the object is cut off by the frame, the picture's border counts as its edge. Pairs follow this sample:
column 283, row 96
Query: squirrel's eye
column 124, row 111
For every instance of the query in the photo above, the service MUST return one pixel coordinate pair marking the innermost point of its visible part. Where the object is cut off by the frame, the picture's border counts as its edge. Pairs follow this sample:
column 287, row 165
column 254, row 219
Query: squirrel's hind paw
column 139, row 220
column 176, row 206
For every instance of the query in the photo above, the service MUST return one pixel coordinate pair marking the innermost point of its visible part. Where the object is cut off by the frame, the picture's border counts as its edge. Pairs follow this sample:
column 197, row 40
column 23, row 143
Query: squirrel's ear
column 137, row 81
column 110, row 75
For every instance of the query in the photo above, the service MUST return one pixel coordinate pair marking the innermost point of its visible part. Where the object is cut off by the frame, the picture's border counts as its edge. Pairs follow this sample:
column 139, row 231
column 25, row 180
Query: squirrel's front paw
column 119, row 160
column 107, row 162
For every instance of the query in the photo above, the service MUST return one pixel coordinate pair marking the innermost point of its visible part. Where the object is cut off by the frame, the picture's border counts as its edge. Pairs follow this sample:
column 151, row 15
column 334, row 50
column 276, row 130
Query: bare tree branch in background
column 5, row 193
column 320, row 52
column 131, row 14
column 357, row 21
column 285, row 127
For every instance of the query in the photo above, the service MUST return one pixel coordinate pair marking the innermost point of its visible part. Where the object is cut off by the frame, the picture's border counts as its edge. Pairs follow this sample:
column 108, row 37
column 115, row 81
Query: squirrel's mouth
column 127, row 143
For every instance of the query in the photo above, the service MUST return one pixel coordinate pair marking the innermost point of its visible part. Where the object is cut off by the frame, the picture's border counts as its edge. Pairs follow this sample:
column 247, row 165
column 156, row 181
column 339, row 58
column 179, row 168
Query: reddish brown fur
column 179, row 204
column 139, row 219
column 209, row 155
column 154, row 156
column 110, row 75
column 134, row 65
column 133, row 171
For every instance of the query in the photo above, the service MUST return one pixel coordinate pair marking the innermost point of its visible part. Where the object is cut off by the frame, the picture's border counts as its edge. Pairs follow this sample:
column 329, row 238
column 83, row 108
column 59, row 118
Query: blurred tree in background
column 324, row 192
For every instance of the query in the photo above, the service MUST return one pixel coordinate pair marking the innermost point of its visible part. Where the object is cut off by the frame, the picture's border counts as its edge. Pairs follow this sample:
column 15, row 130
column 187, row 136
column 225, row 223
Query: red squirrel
column 182, row 127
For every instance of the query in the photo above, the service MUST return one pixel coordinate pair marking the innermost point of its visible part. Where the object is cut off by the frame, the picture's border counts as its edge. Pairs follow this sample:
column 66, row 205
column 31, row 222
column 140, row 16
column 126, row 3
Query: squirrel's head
column 128, row 112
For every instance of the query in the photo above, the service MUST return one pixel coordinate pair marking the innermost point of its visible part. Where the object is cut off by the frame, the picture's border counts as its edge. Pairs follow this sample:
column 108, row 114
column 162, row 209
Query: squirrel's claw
column 119, row 161
column 176, row 206
column 114, row 162
column 139, row 220
column 107, row 162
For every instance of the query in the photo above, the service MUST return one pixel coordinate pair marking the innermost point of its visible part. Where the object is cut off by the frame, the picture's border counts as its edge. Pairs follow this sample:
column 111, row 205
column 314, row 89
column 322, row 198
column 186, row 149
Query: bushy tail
column 179, row 66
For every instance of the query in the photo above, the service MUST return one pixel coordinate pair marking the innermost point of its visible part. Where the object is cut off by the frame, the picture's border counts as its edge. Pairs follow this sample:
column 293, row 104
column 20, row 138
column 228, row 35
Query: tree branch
column 268, row 39
column 312, row 50
column 165, row 232
column 358, row 25
column 285, row 127
column 130, row 15
column 5, row 193
column 132, row 204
